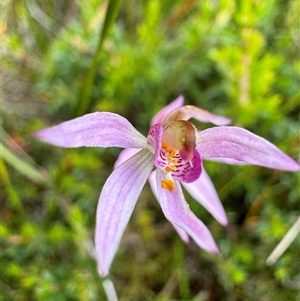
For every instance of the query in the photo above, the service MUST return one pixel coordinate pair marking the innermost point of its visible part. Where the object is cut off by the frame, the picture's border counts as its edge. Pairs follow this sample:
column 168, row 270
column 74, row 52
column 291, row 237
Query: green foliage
column 60, row 58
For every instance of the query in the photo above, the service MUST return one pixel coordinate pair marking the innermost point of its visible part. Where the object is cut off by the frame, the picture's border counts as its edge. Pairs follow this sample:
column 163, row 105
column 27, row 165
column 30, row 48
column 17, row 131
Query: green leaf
column 11, row 193
column 23, row 167
column 85, row 95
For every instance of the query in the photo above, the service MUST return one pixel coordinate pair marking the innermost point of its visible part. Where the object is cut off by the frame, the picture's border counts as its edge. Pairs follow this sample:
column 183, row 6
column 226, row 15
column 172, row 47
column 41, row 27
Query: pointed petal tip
column 288, row 164
column 240, row 145
column 102, row 272
column 177, row 211
column 179, row 100
column 224, row 121
column 294, row 166
column 187, row 241
column 224, row 222
column 45, row 135
column 38, row 134
column 212, row 248
column 189, row 111
column 216, row 251
column 185, row 238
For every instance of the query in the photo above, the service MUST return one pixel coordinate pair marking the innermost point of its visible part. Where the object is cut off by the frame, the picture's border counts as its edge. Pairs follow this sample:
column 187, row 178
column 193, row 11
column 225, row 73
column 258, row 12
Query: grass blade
column 23, row 167
column 85, row 95
column 12, row 194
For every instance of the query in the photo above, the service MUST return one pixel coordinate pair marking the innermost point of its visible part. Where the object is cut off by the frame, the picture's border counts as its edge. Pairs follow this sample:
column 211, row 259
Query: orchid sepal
column 187, row 112
column 99, row 129
column 234, row 143
column 177, row 211
column 204, row 192
column 116, row 203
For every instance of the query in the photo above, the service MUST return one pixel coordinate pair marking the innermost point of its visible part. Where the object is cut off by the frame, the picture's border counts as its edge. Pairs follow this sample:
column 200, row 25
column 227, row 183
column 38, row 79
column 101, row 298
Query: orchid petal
column 178, row 213
column 154, row 138
column 203, row 191
column 124, row 155
column 116, row 203
column 101, row 129
column 229, row 142
column 152, row 181
column 188, row 112
column 226, row 161
column 160, row 116
column 188, row 172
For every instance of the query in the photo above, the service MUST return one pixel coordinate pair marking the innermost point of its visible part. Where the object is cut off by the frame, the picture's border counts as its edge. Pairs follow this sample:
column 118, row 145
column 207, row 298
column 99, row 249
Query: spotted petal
column 229, row 142
column 178, row 213
column 116, row 203
column 203, row 191
column 184, row 171
column 100, row 129
column 188, row 112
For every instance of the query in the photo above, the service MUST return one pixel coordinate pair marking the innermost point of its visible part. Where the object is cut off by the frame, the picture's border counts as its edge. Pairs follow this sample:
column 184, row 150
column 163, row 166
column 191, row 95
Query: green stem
column 83, row 101
column 22, row 166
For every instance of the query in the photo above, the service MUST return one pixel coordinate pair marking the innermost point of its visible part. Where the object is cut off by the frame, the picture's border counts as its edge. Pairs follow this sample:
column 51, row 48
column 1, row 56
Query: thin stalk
column 85, row 95
column 284, row 243
column 110, row 290
column 23, row 167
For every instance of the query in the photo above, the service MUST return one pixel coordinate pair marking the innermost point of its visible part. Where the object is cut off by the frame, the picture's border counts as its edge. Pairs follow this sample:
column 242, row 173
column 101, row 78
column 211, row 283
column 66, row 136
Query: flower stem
column 110, row 290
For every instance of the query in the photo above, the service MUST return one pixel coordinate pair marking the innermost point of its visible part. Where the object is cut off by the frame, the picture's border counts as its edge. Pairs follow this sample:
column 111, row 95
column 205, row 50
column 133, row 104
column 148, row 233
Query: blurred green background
column 236, row 58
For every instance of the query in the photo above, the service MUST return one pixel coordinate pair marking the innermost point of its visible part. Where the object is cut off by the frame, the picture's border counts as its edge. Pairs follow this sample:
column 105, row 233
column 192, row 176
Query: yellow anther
column 171, row 160
column 168, row 184
column 170, row 154
column 172, row 151
column 168, row 169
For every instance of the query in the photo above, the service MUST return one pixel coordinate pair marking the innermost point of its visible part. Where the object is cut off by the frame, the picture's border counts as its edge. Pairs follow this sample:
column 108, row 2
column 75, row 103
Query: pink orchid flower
column 175, row 149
